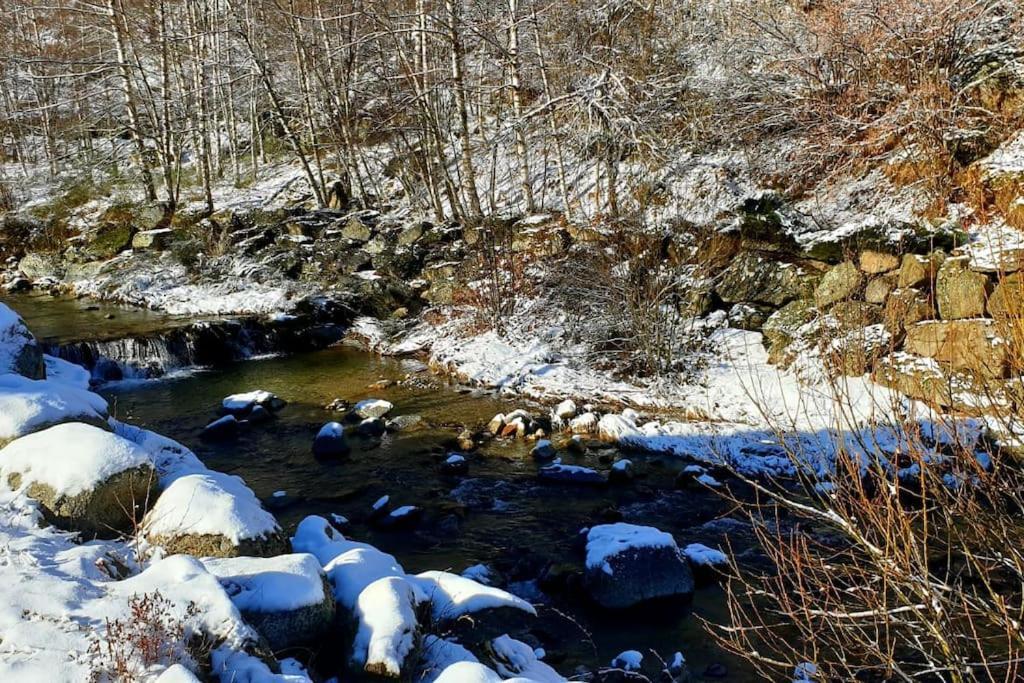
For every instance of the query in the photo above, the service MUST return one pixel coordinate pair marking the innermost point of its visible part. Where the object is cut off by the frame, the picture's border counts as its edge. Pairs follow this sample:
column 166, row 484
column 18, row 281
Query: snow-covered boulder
column 470, row 610
column 28, row 406
column 330, row 441
column 350, row 566
column 85, row 479
column 628, row 564
column 212, row 514
column 222, row 428
column 372, row 407
column 387, row 628
column 565, row 411
column 285, row 598
column 19, row 351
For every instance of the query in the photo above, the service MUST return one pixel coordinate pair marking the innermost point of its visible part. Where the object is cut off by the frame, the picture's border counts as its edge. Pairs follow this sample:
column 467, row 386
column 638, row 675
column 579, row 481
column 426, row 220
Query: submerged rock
column 628, row 564
column 221, row 428
column 571, row 474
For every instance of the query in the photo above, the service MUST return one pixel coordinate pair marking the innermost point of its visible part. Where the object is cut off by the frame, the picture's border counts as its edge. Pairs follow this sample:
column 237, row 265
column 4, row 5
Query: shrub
column 151, row 633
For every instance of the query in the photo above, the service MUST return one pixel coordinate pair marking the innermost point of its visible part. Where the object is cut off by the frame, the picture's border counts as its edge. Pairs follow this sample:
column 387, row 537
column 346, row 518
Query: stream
column 499, row 514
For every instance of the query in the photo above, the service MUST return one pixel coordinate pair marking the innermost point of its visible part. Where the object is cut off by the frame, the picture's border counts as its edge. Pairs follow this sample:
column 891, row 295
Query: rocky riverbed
column 428, row 546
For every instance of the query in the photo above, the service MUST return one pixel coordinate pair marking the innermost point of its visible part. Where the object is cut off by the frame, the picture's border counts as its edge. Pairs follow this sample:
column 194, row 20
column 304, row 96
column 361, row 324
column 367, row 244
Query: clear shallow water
column 499, row 514
column 65, row 319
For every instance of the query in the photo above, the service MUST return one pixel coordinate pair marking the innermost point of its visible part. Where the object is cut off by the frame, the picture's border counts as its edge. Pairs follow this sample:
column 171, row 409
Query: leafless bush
column 627, row 303
column 856, row 81
column 907, row 565
column 151, row 633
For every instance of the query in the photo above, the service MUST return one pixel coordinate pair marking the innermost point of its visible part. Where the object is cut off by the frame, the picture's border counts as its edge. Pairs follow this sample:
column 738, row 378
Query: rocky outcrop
column 764, row 279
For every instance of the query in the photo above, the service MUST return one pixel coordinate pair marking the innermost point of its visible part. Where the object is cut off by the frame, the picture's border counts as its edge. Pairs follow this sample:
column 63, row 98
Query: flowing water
column 499, row 514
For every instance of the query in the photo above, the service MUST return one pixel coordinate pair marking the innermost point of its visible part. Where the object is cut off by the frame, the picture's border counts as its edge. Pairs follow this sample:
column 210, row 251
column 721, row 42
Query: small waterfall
column 200, row 344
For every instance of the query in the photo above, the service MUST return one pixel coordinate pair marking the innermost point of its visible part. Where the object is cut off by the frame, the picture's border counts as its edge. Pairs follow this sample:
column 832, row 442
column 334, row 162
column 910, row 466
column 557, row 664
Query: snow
column 701, row 555
column 386, row 614
column 455, row 459
column 995, row 247
column 436, row 655
column 209, row 503
column 616, row 427
column 403, row 511
column 232, row 666
column 630, row 660
column 350, row 566
column 14, row 336
column 270, row 584
column 605, row 541
column 381, row 502
column 452, row 596
column 70, row 458
column 28, row 405
column 61, row 371
column 515, row 659
column 468, row 672
column 331, row 430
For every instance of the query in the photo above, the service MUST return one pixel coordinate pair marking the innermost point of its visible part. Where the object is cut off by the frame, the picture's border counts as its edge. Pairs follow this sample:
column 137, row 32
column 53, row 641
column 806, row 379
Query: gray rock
column 959, row 291
column 221, row 428
column 638, row 572
column 20, row 353
column 330, row 442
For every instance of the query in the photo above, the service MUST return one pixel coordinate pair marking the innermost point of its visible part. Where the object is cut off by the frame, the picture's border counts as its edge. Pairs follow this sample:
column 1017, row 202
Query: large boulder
column 286, row 598
column 971, row 346
column 19, row 351
column 212, row 514
column 28, row 406
column 841, row 283
column 959, row 291
column 154, row 240
column 37, row 266
column 84, row 478
column 627, row 565
column 754, row 278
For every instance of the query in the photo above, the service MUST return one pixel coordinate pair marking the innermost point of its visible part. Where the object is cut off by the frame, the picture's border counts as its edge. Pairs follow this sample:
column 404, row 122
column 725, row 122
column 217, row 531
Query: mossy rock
column 109, row 509
column 782, row 327
column 841, row 283
column 111, row 239
column 960, row 292
column 216, row 545
column 762, row 279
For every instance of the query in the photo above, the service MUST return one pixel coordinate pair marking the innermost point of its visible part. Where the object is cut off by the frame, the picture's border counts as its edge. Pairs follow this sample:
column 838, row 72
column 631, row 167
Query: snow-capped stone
column 62, row 372
column 373, row 407
column 28, row 406
column 584, row 424
column 350, row 566
column 436, row 655
column 705, row 562
column 543, row 450
column 566, row 410
column 628, row 564
column 621, row 472
column 241, row 404
column 85, row 478
column 455, row 464
column 630, row 660
column 330, row 441
column 387, row 628
column 222, row 428
column 471, row 610
column 212, row 515
column 19, row 351
column 285, row 598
